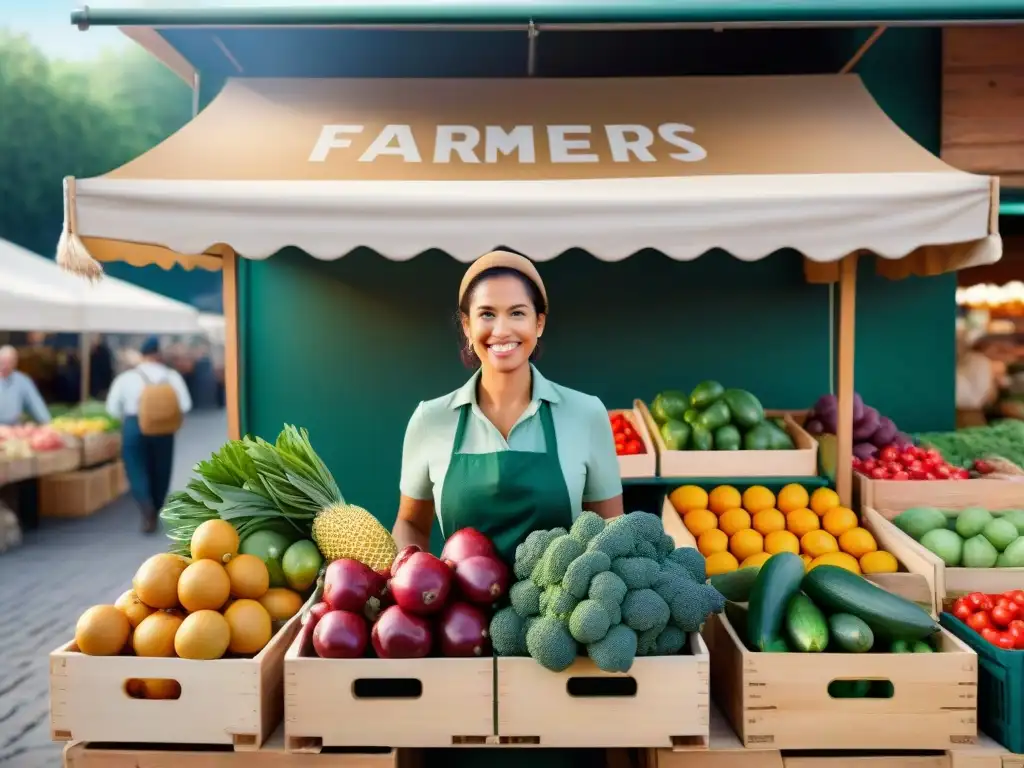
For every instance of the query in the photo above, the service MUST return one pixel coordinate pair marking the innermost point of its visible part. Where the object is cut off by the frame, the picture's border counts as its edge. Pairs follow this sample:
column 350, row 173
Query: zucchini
column 851, row 634
column 777, row 581
column 837, row 590
column 806, row 627
column 705, row 393
column 736, row 585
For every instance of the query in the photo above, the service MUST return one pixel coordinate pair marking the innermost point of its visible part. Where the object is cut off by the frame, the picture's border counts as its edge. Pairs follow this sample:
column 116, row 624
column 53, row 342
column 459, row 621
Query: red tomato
column 991, row 635
column 934, row 455
column 1017, row 595
column 868, row 464
column 1006, row 641
column 962, row 611
column 907, row 458
column 980, row 601
column 889, row 453
column 942, row 471
column 901, row 475
column 1016, row 631
column 1002, row 615
column 892, row 467
column 879, row 473
column 634, row 446
column 979, row 621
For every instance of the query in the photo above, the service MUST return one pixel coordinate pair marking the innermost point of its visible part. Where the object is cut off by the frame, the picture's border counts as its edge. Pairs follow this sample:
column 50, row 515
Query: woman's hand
column 415, row 519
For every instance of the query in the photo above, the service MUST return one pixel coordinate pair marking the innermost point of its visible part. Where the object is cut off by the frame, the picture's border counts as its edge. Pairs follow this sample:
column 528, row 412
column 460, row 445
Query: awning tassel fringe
column 72, row 255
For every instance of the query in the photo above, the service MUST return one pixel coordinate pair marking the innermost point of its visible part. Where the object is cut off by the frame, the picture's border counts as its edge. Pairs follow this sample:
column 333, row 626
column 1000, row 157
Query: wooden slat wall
column 983, row 101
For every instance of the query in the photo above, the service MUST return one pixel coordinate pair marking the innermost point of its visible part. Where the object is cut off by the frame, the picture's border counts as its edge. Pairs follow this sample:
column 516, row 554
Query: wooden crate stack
column 95, row 480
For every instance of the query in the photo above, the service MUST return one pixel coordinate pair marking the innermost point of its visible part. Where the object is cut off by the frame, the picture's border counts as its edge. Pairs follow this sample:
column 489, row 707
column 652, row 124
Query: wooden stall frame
column 232, row 371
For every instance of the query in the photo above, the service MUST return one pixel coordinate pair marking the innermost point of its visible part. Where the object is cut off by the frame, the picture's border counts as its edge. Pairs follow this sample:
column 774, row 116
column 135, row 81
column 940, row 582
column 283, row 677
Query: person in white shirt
column 148, row 459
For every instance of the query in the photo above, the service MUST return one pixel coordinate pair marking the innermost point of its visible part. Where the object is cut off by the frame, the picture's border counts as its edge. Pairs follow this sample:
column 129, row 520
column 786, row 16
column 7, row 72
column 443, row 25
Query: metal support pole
column 531, row 52
column 195, row 94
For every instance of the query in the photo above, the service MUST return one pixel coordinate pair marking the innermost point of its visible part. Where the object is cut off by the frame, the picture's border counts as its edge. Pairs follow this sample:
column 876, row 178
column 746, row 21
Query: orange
column 734, row 520
column 800, row 521
column 724, row 498
column 793, row 496
column 824, row 499
column 818, row 543
column 720, row 562
column 807, row 561
column 840, row 559
column 755, row 561
column 839, row 520
column 756, row 498
column 768, row 521
column 699, row 520
column 858, row 542
column 745, row 543
column 879, row 562
column 781, row 541
column 688, row 497
column 712, row 541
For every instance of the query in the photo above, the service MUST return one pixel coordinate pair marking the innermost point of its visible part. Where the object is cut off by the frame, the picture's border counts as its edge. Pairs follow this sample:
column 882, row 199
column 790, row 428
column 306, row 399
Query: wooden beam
column 844, row 375
column 232, row 393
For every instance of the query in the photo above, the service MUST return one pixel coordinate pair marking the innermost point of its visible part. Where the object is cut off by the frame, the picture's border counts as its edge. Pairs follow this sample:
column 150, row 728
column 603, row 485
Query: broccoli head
column 616, row 540
column 647, row 550
column 586, row 527
column 558, row 603
column 507, row 633
column 647, row 640
column 670, row 641
column 557, row 557
column 615, row 651
column 550, row 644
column 692, row 604
column 672, row 574
column 666, row 546
column 646, row 527
column 529, row 553
column 589, row 622
column 525, row 597
column 608, row 589
column 581, row 570
column 692, row 561
column 643, row 609
column 636, row 572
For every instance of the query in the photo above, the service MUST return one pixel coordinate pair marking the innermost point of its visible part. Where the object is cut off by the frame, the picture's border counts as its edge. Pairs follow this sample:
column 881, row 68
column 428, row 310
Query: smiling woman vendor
column 509, row 452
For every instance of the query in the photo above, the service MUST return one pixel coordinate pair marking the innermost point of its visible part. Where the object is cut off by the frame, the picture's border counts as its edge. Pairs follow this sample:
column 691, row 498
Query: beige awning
column 750, row 165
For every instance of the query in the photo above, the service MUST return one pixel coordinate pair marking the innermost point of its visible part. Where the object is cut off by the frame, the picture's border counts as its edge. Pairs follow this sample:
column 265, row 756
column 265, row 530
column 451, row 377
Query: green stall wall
column 348, row 348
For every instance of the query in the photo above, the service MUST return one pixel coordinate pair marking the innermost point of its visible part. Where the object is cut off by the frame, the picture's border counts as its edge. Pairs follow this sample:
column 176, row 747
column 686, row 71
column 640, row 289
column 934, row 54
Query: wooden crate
column 937, row 760
column 74, row 494
column 61, row 460
column 781, row 700
column 271, row 755
column 661, row 701
column 644, row 464
column 802, row 462
column 16, row 470
column 949, row 583
column 899, row 495
column 235, row 702
column 724, row 751
column 433, row 702
column 101, row 447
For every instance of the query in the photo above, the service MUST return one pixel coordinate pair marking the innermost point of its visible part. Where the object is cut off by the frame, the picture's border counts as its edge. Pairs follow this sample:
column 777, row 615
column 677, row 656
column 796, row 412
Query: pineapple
column 348, row 531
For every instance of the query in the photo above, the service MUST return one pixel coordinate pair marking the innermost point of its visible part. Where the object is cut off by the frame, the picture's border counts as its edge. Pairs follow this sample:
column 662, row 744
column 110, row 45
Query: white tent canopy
column 37, row 295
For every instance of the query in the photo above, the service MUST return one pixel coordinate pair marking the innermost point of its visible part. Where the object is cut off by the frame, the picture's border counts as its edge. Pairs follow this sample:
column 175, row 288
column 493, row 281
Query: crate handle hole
column 387, row 688
column 873, row 688
column 152, row 688
column 600, row 687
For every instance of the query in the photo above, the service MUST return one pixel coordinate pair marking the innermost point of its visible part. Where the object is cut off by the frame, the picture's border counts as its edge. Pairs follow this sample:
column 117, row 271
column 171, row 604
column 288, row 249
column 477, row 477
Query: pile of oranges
column 735, row 530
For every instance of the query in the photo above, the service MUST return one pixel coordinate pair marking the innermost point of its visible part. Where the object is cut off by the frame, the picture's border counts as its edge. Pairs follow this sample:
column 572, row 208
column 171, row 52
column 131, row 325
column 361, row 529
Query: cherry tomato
column 962, row 611
column 980, row 601
column 1017, row 595
column 907, row 458
column 868, row 464
column 979, row 621
column 879, row 473
column 901, row 475
column 634, row 446
column 934, row 455
column 991, row 635
column 942, row 472
column 889, row 453
column 892, row 467
column 1001, row 615
column 1006, row 641
column 1016, row 631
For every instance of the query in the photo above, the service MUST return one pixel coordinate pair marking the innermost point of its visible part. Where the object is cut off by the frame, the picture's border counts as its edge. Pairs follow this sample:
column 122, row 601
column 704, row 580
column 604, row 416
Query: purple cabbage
column 865, row 450
column 885, row 433
column 902, row 440
column 865, row 427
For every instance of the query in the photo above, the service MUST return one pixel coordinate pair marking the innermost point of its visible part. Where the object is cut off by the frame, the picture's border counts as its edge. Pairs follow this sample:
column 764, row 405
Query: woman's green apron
column 506, row 495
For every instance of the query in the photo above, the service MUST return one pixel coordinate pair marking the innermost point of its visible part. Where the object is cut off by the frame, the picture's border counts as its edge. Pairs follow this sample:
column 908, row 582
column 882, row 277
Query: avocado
column 676, row 434
column 727, row 438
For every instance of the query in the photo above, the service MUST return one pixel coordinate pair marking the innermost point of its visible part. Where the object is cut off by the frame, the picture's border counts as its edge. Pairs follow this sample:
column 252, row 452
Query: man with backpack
column 151, row 400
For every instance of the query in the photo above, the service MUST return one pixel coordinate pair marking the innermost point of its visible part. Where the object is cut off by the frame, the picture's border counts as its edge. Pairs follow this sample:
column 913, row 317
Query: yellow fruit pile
column 736, row 530
column 215, row 603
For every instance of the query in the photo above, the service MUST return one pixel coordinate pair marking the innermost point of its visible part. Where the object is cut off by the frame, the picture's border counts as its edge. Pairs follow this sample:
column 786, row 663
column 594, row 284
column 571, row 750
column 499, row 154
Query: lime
column 301, row 564
column 268, row 546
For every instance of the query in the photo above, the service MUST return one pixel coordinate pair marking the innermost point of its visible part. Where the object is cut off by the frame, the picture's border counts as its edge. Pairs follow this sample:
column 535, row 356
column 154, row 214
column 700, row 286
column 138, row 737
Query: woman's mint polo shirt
column 586, row 447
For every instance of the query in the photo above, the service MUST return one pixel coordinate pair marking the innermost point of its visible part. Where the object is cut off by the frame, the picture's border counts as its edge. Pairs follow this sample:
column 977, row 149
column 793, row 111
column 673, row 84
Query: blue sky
column 47, row 23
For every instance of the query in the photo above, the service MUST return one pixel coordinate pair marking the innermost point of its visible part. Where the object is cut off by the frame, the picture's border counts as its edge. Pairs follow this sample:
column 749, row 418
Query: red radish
column 404, row 554
column 463, row 631
column 422, row 584
column 348, row 584
column 466, row 543
column 482, row 579
column 399, row 634
column 340, row 635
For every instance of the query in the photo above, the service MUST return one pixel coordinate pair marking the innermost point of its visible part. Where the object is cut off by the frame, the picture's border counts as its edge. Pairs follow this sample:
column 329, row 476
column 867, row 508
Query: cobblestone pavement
column 60, row 570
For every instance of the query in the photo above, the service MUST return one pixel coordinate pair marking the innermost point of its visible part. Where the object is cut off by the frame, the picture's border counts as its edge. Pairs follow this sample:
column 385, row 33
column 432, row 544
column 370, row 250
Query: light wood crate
column 236, row 702
column 668, row 705
column 867, row 761
column 801, row 462
column 100, row 447
column 724, row 751
column 271, row 755
column 900, row 495
column 324, row 708
column 950, row 583
column 16, row 470
column 781, row 700
column 74, row 494
column 643, row 464
column 61, row 460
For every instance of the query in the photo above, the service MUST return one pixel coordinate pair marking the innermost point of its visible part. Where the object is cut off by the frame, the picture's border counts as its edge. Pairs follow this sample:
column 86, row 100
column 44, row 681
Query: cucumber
column 921, row 647
column 778, row 438
column 746, row 409
column 701, row 439
column 900, row 646
column 736, row 585
column 777, row 581
column 705, row 393
column 849, row 689
column 714, row 416
column 759, row 438
column 727, row 438
column 851, row 634
column 836, row 590
column 806, row 628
